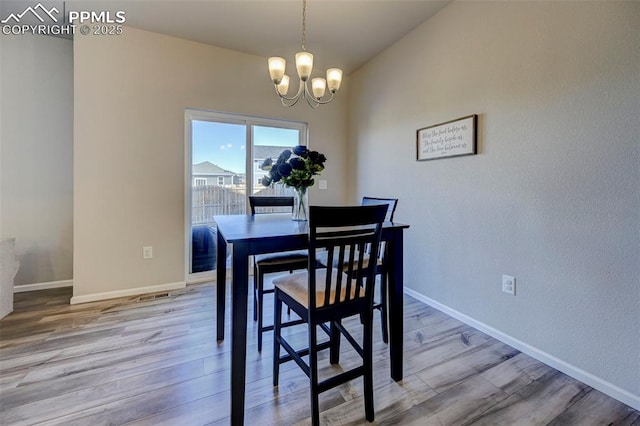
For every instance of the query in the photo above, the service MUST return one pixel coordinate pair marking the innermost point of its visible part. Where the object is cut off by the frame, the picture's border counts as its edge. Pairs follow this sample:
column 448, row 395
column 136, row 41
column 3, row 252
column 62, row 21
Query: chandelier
column 304, row 65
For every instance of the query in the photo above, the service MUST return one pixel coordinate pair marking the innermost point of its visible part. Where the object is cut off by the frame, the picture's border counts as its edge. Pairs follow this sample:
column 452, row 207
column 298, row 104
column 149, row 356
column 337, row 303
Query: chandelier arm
column 325, row 101
column 301, row 87
column 291, row 101
column 285, row 103
column 313, row 103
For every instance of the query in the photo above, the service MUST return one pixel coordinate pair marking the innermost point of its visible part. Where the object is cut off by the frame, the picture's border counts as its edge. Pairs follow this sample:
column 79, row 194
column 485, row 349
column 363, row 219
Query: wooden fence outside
column 211, row 200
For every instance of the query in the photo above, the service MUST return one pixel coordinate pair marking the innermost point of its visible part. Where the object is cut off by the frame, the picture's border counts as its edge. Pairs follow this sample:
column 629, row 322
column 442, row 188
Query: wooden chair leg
column 260, row 308
column 313, row 375
column 289, row 307
column 277, row 321
column 367, row 346
column 255, row 293
column 384, row 291
column 334, row 351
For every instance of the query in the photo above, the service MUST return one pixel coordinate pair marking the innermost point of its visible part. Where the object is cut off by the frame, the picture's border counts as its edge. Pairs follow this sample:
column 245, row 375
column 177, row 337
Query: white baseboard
column 585, row 377
column 42, row 286
column 201, row 277
column 126, row 293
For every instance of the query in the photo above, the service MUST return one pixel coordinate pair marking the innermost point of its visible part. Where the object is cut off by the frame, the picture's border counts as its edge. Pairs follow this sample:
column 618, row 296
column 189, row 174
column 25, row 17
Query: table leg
column 221, row 281
column 396, row 305
column 239, row 290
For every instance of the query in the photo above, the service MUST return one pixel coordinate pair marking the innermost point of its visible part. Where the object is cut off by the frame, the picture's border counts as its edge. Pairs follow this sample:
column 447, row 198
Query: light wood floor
column 154, row 361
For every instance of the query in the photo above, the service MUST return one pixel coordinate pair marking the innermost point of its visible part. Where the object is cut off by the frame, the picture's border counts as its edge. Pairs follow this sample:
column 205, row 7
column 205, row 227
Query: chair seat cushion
column 281, row 257
column 296, row 285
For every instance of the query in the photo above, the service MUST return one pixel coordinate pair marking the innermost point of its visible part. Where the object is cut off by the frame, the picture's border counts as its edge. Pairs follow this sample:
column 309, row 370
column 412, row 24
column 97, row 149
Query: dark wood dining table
column 250, row 235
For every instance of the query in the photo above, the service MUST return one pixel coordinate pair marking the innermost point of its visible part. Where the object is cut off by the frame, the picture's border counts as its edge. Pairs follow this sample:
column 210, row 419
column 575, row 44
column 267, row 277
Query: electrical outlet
column 147, row 252
column 509, row 284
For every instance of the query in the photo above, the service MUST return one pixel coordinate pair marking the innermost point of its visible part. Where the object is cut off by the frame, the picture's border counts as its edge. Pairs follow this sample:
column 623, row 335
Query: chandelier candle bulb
column 304, row 64
column 318, row 85
column 283, row 87
column 334, row 79
column 276, row 68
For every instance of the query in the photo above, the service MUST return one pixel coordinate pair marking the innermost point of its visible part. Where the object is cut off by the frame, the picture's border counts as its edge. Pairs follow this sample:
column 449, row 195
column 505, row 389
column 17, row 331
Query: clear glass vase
column 299, row 204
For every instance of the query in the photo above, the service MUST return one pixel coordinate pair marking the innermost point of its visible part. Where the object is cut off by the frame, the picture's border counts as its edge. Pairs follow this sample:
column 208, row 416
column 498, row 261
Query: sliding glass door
column 223, row 156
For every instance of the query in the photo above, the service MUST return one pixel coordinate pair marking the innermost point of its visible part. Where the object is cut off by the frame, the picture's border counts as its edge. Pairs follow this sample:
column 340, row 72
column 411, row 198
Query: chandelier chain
column 304, row 24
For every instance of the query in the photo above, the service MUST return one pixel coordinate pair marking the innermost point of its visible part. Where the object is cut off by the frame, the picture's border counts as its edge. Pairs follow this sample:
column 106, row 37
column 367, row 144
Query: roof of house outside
column 207, row 168
column 262, row 152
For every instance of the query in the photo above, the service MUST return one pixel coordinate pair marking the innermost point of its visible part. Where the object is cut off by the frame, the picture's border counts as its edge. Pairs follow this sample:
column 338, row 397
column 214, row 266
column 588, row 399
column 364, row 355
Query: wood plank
column 154, row 360
column 536, row 404
column 596, row 408
column 455, row 406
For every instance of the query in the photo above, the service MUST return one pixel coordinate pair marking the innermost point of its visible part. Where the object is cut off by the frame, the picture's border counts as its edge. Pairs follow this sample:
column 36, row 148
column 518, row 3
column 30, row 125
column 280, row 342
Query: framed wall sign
column 451, row 139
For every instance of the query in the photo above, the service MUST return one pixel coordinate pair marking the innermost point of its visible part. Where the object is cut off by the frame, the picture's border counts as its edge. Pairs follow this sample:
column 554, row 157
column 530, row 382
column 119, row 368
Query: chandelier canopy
column 304, row 66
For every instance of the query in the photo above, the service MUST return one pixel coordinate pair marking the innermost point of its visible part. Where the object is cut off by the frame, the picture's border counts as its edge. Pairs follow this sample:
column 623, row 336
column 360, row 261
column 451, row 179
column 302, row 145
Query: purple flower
column 297, row 163
column 285, row 169
column 284, row 156
column 266, row 181
column 294, row 171
column 300, row 150
column 266, row 164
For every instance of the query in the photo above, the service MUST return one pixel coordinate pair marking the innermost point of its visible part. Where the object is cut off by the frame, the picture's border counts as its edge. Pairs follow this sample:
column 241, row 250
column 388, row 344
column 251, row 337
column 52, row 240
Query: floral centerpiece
column 295, row 169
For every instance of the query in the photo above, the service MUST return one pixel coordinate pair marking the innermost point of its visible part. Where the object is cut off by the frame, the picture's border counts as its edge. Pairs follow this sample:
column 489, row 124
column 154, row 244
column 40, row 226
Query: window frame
column 250, row 122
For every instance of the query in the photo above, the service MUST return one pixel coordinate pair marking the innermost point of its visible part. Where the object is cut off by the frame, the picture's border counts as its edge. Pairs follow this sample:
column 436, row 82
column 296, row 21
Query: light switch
column 147, row 252
column 322, row 184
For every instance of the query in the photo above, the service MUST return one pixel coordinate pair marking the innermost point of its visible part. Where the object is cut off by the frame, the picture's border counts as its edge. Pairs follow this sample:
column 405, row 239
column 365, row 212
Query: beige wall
column 131, row 92
column 553, row 197
column 36, row 171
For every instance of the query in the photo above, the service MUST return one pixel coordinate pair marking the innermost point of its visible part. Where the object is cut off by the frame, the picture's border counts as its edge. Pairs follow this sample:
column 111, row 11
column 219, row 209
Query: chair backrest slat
column 361, row 260
column 328, row 281
column 345, row 232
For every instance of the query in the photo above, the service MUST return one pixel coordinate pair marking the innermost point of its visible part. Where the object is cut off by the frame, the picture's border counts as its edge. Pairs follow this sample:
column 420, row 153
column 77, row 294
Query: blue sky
column 225, row 144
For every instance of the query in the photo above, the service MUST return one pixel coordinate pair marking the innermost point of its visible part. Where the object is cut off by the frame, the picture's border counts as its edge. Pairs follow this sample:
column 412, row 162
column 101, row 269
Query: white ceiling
column 340, row 33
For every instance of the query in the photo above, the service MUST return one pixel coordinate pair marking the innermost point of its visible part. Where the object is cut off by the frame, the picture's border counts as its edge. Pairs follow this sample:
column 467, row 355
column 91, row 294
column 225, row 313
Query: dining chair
column 324, row 296
column 381, row 265
column 271, row 262
column 381, row 268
